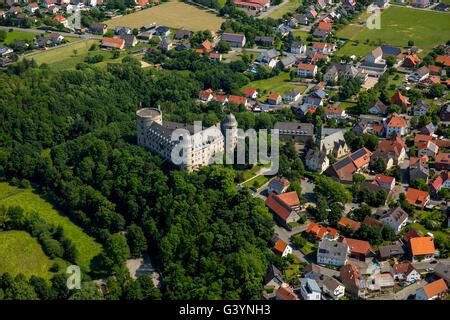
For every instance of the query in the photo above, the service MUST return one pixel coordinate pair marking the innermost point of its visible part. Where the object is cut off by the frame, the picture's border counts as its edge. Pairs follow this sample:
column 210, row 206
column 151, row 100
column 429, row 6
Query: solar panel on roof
column 339, row 165
column 358, row 154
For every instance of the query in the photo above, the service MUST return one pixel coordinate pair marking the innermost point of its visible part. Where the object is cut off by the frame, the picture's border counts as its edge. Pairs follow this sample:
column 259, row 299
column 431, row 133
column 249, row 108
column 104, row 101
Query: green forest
column 72, row 135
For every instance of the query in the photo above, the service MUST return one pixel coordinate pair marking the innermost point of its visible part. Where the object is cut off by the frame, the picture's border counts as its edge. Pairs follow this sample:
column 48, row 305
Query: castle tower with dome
column 202, row 146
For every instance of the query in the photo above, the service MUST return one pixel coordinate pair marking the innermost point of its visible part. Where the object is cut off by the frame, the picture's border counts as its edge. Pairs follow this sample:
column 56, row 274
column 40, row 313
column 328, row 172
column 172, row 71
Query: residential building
column 281, row 248
column 269, row 58
column 292, row 95
column 288, row 62
column 353, row 280
column 285, row 292
column 405, row 273
column 422, row 249
column 298, row 47
column 344, row 169
column 386, row 182
column 442, row 270
column 359, row 249
column 346, row 223
column 206, row 95
column 417, row 197
column 265, row 41
column 420, row 108
column 307, row 70
column 378, row 108
column 251, row 93
column 432, row 291
column 428, row 149
column 182, row 34
column 113, row 43
column 317, row 161
column 396, row 125
column 333, row 142
column 442, row 161
column 391, row 251
column 317, row 232
column 316, row 98
column 273, row 278
column 336, row 113
column 309, row 289
column 333, row 288
column 99, row 28
column 419, row 75
column 396, row 218
column 162, row 31
column 274, row 99
column 411, row 61
column 278, row 185
column 130, row 40
column 332, row 252
column 285, row 206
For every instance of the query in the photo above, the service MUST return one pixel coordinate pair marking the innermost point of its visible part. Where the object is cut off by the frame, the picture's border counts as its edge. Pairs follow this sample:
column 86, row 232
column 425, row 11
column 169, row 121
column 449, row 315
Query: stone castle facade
column 201, row 145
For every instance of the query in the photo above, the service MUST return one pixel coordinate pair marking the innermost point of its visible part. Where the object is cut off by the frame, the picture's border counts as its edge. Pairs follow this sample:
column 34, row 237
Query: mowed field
column 21, row 253
column 172, row 14
column 398, row 25
column 17, row 35
column 87, row 247
column 291, row 6
column 279, row 84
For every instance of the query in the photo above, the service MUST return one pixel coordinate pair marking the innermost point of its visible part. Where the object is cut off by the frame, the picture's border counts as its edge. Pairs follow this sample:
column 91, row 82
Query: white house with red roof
column 396, row 124
column 306, row 70
column 386, row 182
column 282, row 249
column 336, row 113
column 32, row 7
column 205, row 95
column 251, row 93
column 427, row 148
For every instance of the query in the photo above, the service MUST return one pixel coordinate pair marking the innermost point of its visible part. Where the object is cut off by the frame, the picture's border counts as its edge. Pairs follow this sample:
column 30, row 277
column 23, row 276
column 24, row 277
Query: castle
column 201, row 145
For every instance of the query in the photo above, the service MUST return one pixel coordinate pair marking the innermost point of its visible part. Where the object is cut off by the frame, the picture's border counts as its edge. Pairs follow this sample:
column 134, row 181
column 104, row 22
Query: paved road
column 272, row 9
column 64, row 34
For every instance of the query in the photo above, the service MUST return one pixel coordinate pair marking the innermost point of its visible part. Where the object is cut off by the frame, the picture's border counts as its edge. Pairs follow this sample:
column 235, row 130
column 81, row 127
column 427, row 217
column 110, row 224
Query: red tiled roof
column 381, row 178
column 249, row 91
column 204, row 94
column 396, row 121
column 305, row 66
column 325, row 26
column 59, row 18
column 445, row 60
column 286, row 293
column 273, row 96
column 237, row 99
column 349, row 223
column 435, row 288
column 421, row 138
column 320, row 231
column 399, row 99
column 279, row 247
column 114, row 42
column 412, row 233
column 350, row 275
column 358, row 246
column 416, row 197
column 281, row 204
column 333, row 110
column 442, row 158
column 422, row 246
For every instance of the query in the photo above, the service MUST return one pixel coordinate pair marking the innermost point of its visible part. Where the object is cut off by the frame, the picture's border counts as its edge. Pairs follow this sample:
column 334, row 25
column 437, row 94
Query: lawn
column 21, row 253
column 291, row 6
column 87, row 247
column 302, row 34
column 279, row 84
column 67, row 57
column 256, row 182
column 172, row 14
column 398, row 25
column 17, row 35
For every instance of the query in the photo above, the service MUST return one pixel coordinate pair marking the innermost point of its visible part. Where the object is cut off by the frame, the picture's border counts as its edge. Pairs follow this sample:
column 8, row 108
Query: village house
column 333, row 288
column 268, row 58
column 162, row 31
column 273, row 278
column 353, row 280
column 420, row 108
column 421, row 249
column 428, row 149
column 98, row 28
column 345, row 223
column 432, row 291
column 309, row 289
column 113, row 43
column 215, row 57
column 396, row 218
column 182, row 34
column 323, row 30
column 298, row 47
column 31, row 7
column 316, row 98
column 396, row 125
column 238, row 100
column 385, row 182
column 418, row 169
column 265, row 41
column 332, row 253
column 166, row 44
column 378, row 108
column 336, row 113
column 285, row 206
column 359, row 249
column 292, row 95
column 317, row 161
column 442, row 270
column 405, row 273
column 274, row 99
column 311, row 12
column 251, row 93
column 281, row 248
column 130, row 40
column 411, row 61
column 391, row 251
column 317, row 232
column 442, row 161
column 307, row 70
column 286, row 293
column 278, row 185
column 374, row 61
column 344, row 169
column 417, row 197
column 234, row 40
column 325, row 48
column 253, row 5
column 205, row 95
column 428, row 129
column 288, row 62
column 419, row 75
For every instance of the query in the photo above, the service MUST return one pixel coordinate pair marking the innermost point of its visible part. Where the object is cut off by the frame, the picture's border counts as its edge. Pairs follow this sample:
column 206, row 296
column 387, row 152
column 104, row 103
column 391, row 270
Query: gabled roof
column 286, row 293
column 350, row 275
column 422, row 246
column 442, row 158
column 391, row 250
column 396, row 214
column 435, row 288
column 307, row 67
column 396, row 121
column 399, row 99
column 281, row 204
column 233, row 37
column 346, row 222
column 372, row 222
column 279, row 247
column 381, row 178
column 320, row 231
column 358, row 246
column 416, row 197
column 445, row 60
column 405, row 268
column 237, row 99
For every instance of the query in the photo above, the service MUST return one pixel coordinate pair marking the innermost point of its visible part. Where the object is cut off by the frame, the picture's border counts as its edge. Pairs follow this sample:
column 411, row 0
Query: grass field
column 279, row 84
column 172, row 14
column 88, row 248
column 398, row 26
column 63, row 58
column 302, row 34
column 17, row 35
column 21, row 253
column 256, row 182
column 291, row 6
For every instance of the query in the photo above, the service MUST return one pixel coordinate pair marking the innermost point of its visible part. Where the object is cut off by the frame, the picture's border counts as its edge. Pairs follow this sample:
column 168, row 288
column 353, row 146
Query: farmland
column 87, row 247
column 398, row 25
column 172, row 14
column 20, row 253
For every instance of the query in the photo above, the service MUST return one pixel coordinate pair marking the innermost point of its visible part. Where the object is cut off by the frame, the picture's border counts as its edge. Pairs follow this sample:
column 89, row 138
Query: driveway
column 307, row 189
column 286, row 235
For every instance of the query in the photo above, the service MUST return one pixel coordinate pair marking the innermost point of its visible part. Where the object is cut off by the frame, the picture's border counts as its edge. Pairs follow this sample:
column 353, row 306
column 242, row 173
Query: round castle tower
column 230, row 125
column 144, row 118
